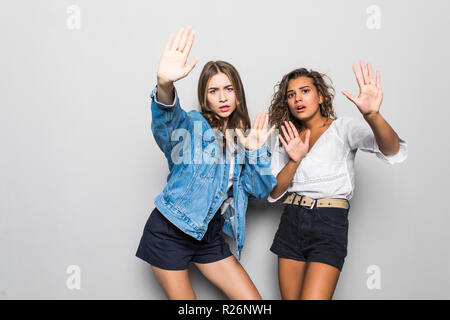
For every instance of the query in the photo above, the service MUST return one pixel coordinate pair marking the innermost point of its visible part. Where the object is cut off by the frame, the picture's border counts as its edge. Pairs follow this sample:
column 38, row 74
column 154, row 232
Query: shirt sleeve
column 272, row 200
column 360, row 136
column 279, row 159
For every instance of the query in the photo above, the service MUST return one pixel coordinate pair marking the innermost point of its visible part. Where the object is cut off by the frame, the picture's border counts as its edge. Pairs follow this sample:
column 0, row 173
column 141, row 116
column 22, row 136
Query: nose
column 222, row 97
column 298, row 96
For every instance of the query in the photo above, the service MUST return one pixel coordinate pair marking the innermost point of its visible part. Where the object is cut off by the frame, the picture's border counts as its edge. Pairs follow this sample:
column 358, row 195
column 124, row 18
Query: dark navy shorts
column 312, row 235
column 165, row 246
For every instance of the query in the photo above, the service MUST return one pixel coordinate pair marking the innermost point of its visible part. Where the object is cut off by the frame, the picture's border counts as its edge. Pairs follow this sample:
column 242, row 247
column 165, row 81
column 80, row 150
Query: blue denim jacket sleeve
column 257, row 178
column 165, row 119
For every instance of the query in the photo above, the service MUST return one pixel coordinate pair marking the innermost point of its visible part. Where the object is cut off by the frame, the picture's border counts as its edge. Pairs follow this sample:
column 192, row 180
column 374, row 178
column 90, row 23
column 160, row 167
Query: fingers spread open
column 294, row 129
column 306, row 142
column 288, row 139
column 176, row 43
column 270, row 132
column 282, row 140
column 349, row 96
column 262, row 119
column 191, row 66
column 307, row 135
column 289, row 130
column 364, row 72
column 378, row 80
column 256, row 123
column 266, row 121
column 184, row 39
column 188, row 46
column 371, row 78
column 240, row 135
column 169, row 43
column 358, row 76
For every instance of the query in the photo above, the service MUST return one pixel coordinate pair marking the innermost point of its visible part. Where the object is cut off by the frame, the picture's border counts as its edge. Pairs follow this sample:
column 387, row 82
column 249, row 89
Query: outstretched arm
column 167, row 115
column 369, row 103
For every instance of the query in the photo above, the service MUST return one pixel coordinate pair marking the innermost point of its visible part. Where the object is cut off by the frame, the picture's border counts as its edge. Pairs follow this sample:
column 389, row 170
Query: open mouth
column 224, row 108
column 300, row 108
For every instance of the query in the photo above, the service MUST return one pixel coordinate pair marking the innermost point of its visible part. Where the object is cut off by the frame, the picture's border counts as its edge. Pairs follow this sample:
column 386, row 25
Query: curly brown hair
column 279, row 110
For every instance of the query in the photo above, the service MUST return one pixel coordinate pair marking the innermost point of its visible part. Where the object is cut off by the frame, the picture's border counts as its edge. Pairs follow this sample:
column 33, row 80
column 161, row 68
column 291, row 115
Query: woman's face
column 303, row 98
column 220, row 95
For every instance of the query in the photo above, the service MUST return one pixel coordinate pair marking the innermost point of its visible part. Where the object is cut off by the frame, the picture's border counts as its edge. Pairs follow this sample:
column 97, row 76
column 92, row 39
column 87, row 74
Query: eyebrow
column 210, row 88
column 299, row 88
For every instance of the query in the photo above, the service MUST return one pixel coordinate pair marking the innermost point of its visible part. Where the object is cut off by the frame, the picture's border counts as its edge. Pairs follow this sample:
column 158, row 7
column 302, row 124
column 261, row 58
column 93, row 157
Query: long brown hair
column 239, row 118
column 279, row 109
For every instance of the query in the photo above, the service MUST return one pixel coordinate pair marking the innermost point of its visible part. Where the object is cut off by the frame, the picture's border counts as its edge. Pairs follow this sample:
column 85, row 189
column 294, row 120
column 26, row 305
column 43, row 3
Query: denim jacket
column 198, row 177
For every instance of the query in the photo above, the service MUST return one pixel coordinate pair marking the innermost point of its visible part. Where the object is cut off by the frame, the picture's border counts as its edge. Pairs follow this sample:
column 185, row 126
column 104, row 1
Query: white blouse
column 327, row 170
column 229, row 201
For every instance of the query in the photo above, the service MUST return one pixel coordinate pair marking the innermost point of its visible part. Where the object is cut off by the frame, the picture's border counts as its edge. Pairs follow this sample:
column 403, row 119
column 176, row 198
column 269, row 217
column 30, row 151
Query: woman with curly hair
column 314, row 164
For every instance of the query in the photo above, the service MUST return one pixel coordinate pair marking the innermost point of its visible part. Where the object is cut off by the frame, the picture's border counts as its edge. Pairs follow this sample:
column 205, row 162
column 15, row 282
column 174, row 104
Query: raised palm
column 258, row 134
column 292, row 143
column 172, row 66
column 370, row 95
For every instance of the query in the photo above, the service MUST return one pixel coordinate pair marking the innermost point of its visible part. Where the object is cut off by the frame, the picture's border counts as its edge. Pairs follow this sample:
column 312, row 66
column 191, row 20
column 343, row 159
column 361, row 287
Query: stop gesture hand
column 370, row 93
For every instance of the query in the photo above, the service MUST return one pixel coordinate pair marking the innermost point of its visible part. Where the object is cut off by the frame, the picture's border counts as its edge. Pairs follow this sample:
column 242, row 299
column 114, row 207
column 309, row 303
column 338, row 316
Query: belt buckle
column 312, row 205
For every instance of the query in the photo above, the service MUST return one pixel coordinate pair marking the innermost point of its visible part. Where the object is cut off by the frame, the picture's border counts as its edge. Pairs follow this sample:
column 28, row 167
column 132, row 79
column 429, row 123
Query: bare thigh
column 320, row 281
column 290, row 278
column 176, row 284
column 229, row 276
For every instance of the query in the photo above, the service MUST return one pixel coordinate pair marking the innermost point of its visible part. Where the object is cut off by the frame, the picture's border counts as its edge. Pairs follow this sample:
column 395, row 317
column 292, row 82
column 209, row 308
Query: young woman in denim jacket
column 315, row 164
column 211, row 177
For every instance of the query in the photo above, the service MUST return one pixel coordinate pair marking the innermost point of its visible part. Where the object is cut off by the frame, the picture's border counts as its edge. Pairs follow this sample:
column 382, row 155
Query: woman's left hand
column 370, row 93
column 258, row 134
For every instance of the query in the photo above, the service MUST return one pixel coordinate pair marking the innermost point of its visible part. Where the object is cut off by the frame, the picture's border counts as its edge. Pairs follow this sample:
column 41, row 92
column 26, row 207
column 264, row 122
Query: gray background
column 80, row 169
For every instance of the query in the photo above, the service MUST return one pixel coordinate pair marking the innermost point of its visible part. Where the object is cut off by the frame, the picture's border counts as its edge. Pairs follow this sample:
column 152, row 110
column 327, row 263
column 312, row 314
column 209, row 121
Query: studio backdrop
column 79, row 167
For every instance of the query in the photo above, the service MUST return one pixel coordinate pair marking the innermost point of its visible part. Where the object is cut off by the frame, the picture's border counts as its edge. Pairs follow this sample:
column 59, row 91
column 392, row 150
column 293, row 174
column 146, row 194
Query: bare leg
column 229, row 276
column 319, row 282
column 290, row 278
column 176, row 284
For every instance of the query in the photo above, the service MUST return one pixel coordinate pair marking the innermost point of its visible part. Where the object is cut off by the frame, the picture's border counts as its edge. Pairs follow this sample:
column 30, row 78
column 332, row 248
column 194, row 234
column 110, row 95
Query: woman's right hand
column 172, row 66
column 294, row 146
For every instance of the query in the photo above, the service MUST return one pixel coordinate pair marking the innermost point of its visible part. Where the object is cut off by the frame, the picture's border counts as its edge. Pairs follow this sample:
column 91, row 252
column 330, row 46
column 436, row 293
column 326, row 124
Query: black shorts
column 165, row 246
column 312, row 235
